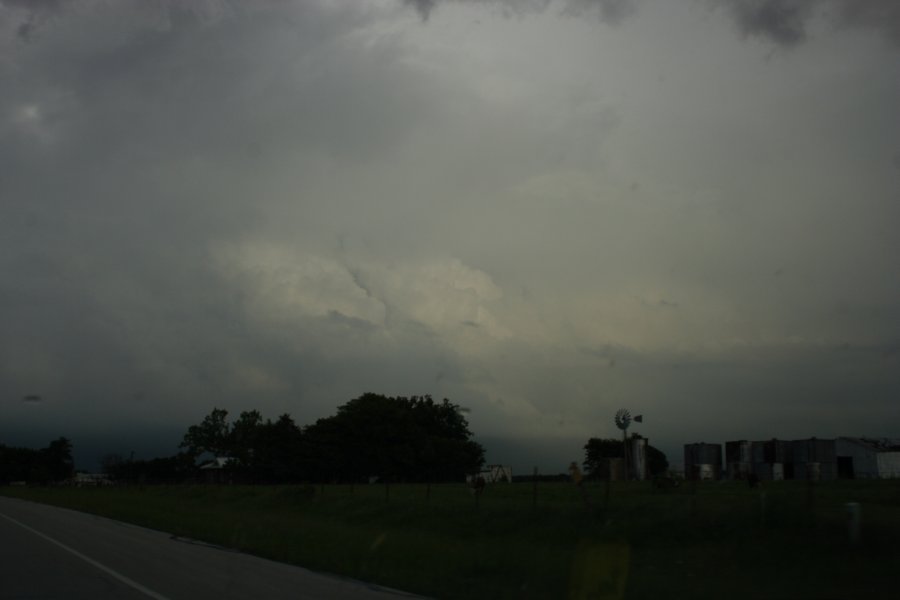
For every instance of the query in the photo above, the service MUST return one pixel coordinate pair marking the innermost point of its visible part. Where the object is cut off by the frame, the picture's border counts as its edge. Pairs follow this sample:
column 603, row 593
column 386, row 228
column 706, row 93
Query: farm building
column 738, row 459
column 768, row 459
column 702, row 461
column 813, row 459
column 215, row 470
column 774, row 460
column 867, row 458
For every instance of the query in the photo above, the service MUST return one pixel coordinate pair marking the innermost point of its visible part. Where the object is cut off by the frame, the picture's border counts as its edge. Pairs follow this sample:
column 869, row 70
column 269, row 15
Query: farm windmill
column 623, row 420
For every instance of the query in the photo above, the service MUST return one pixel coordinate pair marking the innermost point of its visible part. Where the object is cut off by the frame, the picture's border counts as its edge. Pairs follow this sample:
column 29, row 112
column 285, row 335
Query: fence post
column 810, row 497
column 854, row 521
column 608, row 483
column 534, row 489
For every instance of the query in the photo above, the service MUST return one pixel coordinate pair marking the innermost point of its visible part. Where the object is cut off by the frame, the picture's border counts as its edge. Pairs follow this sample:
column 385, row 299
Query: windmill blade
column 623, row 419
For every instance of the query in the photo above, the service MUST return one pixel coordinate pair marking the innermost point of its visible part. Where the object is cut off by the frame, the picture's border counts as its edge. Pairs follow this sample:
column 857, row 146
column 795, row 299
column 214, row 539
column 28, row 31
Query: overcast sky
column 542, row 210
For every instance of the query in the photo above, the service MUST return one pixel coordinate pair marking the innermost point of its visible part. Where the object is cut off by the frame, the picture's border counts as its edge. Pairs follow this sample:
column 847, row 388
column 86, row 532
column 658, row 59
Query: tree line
column 391, row 438
column 37, row 466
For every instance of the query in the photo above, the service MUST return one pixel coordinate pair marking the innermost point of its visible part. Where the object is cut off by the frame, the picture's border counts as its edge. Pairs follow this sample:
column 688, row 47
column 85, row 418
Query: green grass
column 713, row 541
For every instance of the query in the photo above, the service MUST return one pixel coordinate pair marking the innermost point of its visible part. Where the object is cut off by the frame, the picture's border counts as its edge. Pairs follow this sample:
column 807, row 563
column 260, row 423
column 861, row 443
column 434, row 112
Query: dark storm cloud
column 881, row 15
column 609, row 11
column 786, row 22
column 781, row 21
column 31, row 13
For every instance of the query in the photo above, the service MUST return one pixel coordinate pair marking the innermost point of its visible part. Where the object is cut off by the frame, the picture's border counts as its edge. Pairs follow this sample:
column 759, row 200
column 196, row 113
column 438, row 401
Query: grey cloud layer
column 283, row 206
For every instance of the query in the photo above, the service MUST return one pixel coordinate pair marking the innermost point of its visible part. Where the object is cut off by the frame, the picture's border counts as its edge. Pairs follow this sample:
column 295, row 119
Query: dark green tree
column 400, row 439
column 280, row 451
column 57, row 459
column 243, row 437
column 212, row 435
column 47, row 465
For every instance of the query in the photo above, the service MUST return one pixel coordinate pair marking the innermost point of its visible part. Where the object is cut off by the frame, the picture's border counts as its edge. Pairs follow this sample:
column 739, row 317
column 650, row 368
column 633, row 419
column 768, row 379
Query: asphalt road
column 49, row 552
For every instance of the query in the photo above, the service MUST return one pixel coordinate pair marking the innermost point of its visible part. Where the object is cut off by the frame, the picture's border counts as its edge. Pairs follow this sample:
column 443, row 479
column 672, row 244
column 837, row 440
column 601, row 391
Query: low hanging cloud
column 787, row 22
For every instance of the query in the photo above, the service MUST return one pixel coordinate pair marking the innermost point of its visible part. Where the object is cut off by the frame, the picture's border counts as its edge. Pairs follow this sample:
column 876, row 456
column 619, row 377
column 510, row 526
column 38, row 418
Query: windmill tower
column 623, row 420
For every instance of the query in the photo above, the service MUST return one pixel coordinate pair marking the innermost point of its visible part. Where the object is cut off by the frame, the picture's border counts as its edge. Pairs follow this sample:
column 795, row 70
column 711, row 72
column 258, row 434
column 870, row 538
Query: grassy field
column 715, row 540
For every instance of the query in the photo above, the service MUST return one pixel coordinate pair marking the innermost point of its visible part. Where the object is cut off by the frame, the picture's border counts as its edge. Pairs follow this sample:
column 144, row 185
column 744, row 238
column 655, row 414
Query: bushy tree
column 409, row 439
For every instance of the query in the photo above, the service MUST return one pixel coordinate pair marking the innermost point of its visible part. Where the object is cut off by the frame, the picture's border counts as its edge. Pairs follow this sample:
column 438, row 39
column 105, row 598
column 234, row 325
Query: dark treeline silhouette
column 46, row 465
column 393, row 439
column 169, row 470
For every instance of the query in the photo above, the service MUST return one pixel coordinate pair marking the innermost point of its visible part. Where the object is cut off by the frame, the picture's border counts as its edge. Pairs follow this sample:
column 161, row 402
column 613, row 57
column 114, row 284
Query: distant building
column 768, row 459
column 738, row 459
column 702, row 461
column 814, row 459
column 774, row 460
column 810, row 459
column 216, row 470
column 858, row 458
column 493, row 474
column 90, row 480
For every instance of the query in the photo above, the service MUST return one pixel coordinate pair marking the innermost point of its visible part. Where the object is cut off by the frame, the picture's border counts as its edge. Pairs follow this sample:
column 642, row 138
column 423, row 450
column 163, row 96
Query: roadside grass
column 712, row 540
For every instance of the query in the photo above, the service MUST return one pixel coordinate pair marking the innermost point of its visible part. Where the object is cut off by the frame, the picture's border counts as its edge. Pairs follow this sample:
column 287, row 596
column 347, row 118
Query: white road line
column 87, row 559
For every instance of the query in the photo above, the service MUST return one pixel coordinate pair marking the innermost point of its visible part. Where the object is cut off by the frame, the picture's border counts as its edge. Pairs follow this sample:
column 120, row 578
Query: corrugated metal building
column 867, row 458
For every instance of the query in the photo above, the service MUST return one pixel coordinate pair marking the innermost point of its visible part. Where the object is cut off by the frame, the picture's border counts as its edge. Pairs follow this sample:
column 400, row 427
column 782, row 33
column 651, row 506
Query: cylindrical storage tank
column 639, row 458
column 738, row 470
column 777, row 471
column 614, row 468
column 769, row 471
column 800, row 452
column 757, row 452
column 814, row 471
column 711, row 454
